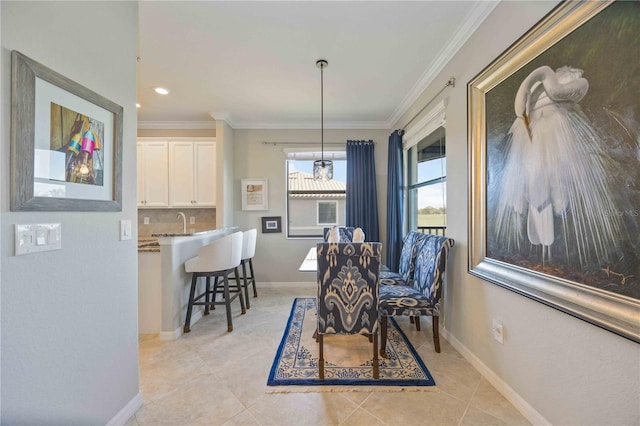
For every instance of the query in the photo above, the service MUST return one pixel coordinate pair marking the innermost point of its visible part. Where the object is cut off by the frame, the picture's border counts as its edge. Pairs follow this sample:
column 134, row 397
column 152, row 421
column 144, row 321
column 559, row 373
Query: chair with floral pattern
column 348, row 293
column 423, row 296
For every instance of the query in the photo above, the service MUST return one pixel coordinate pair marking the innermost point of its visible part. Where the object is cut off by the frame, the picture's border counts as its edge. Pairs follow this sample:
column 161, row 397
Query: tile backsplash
column 165, row 221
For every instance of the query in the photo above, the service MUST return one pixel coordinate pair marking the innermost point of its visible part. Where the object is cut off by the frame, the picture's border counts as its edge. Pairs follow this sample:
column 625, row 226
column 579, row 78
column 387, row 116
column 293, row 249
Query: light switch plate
column 125, row 229
column 34, row 238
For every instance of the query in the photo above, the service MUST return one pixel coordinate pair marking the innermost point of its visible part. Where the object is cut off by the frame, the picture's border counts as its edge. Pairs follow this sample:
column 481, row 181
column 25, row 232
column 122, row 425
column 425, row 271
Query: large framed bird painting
column 554, row 165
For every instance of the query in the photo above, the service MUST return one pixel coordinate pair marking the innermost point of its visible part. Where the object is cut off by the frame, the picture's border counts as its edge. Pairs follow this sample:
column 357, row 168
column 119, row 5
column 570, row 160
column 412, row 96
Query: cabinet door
column 181, row 174
column 156, row 176
column 205, row 173
column 140, row 174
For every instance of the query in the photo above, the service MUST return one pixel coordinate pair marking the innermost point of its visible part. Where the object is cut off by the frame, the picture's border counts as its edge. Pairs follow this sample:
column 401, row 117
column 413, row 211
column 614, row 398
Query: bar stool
column 248, row 251
column 217, row 259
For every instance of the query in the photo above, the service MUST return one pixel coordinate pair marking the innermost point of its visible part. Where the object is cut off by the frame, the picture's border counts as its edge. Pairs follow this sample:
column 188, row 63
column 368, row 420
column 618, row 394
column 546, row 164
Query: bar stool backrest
column 249, row 243
column 220, row 255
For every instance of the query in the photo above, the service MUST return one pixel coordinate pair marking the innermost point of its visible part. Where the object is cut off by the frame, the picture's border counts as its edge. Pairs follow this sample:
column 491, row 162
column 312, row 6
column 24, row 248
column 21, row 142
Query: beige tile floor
column 210, row 376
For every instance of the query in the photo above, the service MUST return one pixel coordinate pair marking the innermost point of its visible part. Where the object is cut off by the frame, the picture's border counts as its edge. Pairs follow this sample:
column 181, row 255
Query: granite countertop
column 180, row 234
column 148, row 245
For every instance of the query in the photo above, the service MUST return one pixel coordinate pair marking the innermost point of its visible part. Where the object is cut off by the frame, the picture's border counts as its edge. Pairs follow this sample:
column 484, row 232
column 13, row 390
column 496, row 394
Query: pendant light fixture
column 322, row 169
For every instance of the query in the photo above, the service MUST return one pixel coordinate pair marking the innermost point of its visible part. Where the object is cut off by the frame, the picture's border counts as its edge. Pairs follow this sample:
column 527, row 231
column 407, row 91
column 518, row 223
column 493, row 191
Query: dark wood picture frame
column 24, row 75
column 271, row 224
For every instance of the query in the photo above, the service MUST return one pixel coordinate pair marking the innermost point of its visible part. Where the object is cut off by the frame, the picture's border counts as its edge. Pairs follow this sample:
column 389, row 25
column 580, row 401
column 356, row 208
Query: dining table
column 310, row 262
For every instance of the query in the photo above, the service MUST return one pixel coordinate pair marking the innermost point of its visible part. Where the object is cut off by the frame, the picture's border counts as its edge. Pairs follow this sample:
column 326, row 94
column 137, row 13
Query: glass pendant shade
column 323, row 170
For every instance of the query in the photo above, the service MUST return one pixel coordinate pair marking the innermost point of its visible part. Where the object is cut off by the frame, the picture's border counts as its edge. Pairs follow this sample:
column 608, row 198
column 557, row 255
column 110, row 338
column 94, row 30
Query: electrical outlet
column 192, row 220
column 146, row 220
column 498, row 331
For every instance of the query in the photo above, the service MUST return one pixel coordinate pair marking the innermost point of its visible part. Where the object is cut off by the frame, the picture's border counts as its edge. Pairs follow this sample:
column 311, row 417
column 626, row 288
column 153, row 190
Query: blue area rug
column 347, row 358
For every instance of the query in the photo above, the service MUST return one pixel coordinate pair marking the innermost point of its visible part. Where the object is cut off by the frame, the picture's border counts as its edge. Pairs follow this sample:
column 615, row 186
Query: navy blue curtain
column 362, row 199
column 395, row 200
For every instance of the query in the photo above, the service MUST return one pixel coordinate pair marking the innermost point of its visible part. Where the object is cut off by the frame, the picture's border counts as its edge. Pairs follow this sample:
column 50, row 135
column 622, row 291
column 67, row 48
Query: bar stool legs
column 252, row 278
column 228, row 298
column 246, row 285
column 187, row 321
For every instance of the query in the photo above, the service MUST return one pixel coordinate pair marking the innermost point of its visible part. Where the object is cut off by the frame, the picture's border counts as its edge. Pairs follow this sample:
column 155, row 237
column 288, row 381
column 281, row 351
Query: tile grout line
column 369, row 412
column 469, row 402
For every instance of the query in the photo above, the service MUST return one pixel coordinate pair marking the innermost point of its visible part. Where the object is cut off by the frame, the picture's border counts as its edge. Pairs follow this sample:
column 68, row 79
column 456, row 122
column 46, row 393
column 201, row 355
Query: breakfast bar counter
column 169, row 280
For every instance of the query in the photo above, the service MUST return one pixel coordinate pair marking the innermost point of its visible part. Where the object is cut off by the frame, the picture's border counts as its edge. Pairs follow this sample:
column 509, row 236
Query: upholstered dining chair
column 348, row 293
column 404, row 274
column 423, row 296
column 345, row 232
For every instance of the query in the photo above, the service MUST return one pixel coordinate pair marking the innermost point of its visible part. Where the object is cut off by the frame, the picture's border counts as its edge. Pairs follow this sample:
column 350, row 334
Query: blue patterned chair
column 404, row 275
column 348, row 293
column 346, row 233
column 423, row 296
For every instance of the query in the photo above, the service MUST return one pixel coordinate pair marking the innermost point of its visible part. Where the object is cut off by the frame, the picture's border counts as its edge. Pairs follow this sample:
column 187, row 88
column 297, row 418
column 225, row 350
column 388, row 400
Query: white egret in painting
column 554, row 181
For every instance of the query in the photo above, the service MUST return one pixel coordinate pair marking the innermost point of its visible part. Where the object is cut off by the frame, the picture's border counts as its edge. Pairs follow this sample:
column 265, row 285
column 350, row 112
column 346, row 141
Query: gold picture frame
column 526, row 246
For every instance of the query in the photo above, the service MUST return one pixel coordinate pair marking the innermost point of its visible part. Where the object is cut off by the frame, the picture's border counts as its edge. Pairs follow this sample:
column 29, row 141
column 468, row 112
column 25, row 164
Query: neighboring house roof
column 311, row 188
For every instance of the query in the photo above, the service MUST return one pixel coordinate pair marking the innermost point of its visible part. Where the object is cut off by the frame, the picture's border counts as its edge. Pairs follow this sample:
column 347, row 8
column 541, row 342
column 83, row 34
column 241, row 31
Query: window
column 426, row 162
column 327, row 212
column 313, row 205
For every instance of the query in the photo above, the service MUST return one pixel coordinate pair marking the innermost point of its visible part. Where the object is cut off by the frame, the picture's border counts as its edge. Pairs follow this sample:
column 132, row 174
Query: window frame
column 302, row 154
column 335, row 203
column 414, row 186
column 424, row 127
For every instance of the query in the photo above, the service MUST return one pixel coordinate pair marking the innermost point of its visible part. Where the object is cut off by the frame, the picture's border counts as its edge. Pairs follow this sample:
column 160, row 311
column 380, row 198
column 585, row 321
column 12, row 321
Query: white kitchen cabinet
column 205, row 173
column 153, row 174
column 192, row 174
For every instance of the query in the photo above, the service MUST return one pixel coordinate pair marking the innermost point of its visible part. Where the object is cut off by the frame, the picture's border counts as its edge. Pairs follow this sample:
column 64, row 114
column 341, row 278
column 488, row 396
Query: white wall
column 225, row 148
column 2, row 191
column 277, row 258
column 69, row 317
column 566, row 370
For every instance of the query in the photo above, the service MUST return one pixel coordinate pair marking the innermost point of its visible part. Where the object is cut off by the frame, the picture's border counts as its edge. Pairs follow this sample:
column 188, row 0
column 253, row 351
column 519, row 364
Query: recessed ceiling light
column 161, row 90
column 138, row 105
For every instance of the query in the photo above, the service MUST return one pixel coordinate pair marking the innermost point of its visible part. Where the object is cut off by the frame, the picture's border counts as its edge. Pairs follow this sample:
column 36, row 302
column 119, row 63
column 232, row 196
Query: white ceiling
column 253, row 63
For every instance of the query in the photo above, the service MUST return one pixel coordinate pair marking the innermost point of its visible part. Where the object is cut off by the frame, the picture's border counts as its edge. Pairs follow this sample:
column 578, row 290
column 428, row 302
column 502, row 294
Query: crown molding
column 307, row 125
column 298, row 125
column 472, row 21
column 181, row 125
column 288, row 125
column 224, row 116
column 435, row 118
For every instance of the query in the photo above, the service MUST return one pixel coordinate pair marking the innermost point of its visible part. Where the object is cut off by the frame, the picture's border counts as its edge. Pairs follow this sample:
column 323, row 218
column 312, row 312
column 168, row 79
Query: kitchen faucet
column 184, row 221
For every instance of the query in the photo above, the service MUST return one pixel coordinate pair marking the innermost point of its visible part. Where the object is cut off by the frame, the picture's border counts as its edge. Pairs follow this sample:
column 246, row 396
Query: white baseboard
column 170, row 335
column 507, row 391
column 175, row 334
column 127, row 411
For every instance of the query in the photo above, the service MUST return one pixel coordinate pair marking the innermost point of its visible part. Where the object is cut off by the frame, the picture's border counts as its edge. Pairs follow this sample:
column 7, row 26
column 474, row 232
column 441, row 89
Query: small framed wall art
column 271, row 224
column 255, row 194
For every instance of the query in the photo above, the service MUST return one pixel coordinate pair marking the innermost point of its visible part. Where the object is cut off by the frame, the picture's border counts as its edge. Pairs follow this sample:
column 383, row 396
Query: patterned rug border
column 342, row 385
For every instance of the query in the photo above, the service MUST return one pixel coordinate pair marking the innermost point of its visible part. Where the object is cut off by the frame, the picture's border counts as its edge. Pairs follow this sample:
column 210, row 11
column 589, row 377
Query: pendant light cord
column 322, row 114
